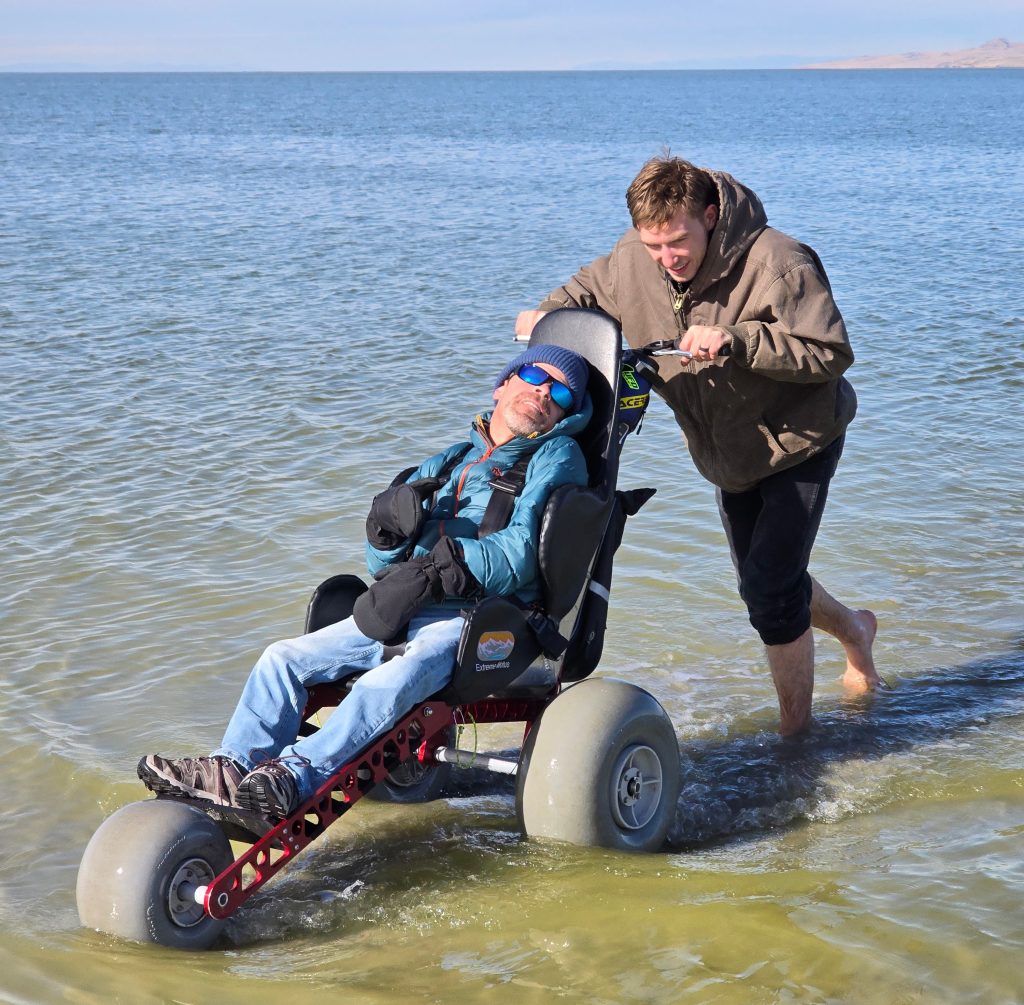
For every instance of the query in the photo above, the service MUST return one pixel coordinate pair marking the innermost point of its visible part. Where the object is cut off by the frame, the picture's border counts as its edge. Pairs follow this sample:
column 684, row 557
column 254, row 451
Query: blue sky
column 475, row 35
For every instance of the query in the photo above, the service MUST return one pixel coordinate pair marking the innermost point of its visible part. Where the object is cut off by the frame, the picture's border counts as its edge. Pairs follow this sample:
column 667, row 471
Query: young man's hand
column 705, row 341
column 526, row 321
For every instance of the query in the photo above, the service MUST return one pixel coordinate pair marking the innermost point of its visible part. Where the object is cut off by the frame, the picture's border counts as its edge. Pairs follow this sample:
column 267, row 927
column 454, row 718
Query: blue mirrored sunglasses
column 560, row 394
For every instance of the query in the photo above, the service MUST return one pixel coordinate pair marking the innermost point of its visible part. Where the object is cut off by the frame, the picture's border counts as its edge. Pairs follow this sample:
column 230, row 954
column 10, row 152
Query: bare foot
column 861, row 674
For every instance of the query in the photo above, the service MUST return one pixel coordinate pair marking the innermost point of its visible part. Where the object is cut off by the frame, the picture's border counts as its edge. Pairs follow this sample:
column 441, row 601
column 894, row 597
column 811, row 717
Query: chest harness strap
column 506, row 487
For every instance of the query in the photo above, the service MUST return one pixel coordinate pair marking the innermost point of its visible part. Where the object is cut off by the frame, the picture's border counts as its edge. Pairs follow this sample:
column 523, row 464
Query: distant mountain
column 992, row 55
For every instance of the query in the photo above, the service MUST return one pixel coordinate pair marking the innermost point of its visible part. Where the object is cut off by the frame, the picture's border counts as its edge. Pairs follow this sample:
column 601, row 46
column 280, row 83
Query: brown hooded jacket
column 780, row 396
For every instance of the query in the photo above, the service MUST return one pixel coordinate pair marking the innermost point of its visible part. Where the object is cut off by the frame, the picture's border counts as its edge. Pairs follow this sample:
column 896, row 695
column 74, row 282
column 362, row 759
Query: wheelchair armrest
column 332, row 601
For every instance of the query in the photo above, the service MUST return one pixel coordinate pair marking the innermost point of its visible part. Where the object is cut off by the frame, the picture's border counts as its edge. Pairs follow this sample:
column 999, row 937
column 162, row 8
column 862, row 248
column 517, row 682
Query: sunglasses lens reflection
column 560, row 394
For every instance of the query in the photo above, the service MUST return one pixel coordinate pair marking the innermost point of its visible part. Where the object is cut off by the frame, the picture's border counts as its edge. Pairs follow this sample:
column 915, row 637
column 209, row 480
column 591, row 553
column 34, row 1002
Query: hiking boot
column 214, row 779
column 269, row 790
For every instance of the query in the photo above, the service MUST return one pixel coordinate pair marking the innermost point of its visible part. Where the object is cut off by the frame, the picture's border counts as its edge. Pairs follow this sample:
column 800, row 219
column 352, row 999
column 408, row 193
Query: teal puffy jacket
column 505, row 562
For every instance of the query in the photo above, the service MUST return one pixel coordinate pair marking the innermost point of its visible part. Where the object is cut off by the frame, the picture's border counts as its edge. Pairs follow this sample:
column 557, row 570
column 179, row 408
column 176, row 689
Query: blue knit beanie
column 572, row 364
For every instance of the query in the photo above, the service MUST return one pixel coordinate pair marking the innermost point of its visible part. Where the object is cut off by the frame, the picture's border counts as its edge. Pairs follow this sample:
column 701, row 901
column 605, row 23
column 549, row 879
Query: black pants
column 771, row 530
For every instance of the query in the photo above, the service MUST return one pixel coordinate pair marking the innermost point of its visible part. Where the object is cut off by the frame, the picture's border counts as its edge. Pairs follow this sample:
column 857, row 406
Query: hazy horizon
column 456, row 35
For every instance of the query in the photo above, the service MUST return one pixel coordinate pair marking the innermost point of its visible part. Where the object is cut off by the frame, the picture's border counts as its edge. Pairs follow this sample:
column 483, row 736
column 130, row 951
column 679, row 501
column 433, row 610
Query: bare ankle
column 792, row 669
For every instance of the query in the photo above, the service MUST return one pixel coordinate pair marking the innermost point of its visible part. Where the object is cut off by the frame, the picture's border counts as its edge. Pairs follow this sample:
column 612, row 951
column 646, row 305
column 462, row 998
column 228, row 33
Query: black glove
column 402, row 589
column 386, row 607
column 397, row 514
column 456, row 578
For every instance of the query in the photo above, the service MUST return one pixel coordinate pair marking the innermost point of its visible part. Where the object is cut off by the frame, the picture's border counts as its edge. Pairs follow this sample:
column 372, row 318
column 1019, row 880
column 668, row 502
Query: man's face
column 679, row 245
column 527, row 408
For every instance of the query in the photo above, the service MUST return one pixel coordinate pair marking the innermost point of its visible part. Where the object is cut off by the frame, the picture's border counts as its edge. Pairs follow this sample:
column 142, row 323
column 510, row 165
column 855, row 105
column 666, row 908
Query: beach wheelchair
column 599, row 765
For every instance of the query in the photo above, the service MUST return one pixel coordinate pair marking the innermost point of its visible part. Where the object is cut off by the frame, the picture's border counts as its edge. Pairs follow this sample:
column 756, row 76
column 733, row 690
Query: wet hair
column 665, row 185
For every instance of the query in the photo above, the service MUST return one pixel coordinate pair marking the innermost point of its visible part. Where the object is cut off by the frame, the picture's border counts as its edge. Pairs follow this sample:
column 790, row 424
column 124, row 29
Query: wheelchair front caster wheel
column 140, row 872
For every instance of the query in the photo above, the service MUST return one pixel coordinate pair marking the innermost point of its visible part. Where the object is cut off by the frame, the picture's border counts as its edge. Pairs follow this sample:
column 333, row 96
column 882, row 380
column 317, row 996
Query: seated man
column 426, row 552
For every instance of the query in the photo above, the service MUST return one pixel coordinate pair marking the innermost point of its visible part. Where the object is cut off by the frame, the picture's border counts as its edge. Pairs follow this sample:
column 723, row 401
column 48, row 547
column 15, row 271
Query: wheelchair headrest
column 597, row 338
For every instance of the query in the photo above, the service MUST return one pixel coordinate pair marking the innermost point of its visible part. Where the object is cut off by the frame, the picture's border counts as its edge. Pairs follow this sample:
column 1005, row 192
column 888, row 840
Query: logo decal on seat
column 494, row 646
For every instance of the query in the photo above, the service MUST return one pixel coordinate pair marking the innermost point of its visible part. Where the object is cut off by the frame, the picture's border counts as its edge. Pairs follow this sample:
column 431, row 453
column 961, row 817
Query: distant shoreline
column 996, row 54
column 817, row 67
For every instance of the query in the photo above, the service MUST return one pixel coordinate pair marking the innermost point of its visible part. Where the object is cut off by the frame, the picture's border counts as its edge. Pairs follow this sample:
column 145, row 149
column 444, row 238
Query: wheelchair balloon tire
column 600, row 768
column 141, row 868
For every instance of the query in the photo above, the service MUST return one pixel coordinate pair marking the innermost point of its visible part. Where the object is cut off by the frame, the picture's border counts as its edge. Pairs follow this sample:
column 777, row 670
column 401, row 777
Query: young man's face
column 679, row 245
column 527, row 408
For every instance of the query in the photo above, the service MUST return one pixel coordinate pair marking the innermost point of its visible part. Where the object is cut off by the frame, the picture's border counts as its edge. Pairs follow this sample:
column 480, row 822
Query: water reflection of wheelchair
column 599, row 765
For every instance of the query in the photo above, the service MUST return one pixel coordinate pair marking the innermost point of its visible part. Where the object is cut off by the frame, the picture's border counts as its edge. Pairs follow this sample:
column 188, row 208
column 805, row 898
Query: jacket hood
column 741, row 218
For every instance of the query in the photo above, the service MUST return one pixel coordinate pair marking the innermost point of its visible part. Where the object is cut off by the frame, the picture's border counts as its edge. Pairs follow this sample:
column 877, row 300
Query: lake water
column 232, row 306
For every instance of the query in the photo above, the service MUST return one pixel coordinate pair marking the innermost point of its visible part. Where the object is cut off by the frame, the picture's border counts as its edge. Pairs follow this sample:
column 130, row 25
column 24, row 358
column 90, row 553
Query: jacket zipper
column 681, row 304
column 465, row 472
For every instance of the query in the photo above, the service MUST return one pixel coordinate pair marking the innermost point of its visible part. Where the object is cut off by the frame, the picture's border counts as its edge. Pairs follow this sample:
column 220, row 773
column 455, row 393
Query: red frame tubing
column 235, row 885
column 254, row 867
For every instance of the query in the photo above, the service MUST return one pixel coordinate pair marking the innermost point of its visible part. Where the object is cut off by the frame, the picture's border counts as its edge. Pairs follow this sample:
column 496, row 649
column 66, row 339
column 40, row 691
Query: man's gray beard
column 519, row 425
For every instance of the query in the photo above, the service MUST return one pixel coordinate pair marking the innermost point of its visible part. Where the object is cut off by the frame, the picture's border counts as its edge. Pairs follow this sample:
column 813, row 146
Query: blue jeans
column 266, row 720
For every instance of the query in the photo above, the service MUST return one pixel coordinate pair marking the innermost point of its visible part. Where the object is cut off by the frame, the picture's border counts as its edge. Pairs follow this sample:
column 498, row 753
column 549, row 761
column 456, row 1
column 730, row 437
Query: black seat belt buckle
column 551, row 640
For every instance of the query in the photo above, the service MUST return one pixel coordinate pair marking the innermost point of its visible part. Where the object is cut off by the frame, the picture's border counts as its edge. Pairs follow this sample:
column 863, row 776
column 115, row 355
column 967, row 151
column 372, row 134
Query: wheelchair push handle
column 670, row 347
